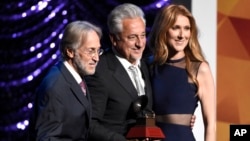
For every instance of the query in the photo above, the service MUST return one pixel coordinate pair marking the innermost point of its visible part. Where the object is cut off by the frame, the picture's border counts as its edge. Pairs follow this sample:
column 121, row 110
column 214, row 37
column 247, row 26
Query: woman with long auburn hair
column 180, row 75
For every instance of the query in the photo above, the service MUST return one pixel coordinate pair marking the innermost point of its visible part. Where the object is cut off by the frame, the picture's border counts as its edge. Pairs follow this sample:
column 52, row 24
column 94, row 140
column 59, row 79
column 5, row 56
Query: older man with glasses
column 63, row 109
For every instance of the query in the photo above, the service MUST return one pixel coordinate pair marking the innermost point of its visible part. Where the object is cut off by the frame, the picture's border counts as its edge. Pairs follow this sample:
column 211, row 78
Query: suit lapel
column 146, row 77
column 76, row 89
column 121, row 75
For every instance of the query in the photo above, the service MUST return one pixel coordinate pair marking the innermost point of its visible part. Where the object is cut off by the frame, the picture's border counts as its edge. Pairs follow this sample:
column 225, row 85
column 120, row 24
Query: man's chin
column 90, row 72
column 137, row 58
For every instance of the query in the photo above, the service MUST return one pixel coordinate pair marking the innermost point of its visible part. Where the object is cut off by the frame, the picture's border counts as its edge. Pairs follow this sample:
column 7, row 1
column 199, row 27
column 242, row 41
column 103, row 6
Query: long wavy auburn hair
column 158, row 38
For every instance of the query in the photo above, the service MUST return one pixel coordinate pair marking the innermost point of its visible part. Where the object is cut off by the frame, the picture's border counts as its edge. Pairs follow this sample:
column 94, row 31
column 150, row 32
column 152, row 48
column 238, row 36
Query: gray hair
column 121, row 12
column 75, row 34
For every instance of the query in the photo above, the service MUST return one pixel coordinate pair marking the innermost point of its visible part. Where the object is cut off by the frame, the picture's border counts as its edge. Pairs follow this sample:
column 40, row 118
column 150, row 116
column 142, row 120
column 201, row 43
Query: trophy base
column 145, row 122
column 145, row 128
column 142, row 132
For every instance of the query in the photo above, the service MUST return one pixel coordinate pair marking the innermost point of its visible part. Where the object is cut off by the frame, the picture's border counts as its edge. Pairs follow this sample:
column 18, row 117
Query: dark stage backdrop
column 30, row 31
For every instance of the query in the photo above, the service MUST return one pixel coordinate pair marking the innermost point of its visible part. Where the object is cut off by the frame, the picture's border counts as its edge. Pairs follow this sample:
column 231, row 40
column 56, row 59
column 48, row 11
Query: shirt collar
column 73, row 72
column 124, row 61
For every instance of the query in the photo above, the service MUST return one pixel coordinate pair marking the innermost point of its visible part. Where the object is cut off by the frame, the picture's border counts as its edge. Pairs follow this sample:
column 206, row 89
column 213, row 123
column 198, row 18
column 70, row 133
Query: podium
column 145, row 128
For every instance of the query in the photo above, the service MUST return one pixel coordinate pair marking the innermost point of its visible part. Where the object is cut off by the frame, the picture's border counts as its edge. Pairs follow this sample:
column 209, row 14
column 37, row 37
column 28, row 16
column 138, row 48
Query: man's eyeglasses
column 93, row 51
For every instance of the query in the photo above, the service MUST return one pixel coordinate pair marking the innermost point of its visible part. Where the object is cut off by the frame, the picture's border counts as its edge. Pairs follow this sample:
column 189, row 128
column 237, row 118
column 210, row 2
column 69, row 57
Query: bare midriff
column 181, row 119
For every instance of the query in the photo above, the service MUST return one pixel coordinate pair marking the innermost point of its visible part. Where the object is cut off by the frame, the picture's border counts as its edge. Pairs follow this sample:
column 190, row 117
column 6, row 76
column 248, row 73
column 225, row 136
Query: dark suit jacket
column 61, row 111
column 112, row 93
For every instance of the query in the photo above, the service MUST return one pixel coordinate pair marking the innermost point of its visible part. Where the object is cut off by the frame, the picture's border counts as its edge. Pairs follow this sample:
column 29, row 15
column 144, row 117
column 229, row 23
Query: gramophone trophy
column 145, row 128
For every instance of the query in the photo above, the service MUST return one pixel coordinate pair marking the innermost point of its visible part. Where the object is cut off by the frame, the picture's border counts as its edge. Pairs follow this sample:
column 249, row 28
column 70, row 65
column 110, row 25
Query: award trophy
column 145, row 128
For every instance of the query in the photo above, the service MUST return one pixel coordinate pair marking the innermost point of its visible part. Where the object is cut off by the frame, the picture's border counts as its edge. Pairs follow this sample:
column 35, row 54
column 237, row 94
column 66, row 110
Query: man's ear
column 113, row 39
column 70, row 53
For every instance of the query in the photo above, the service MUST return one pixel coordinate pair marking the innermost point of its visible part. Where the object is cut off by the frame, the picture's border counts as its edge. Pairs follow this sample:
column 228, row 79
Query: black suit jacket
column 61, row 111
column 112, row 93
